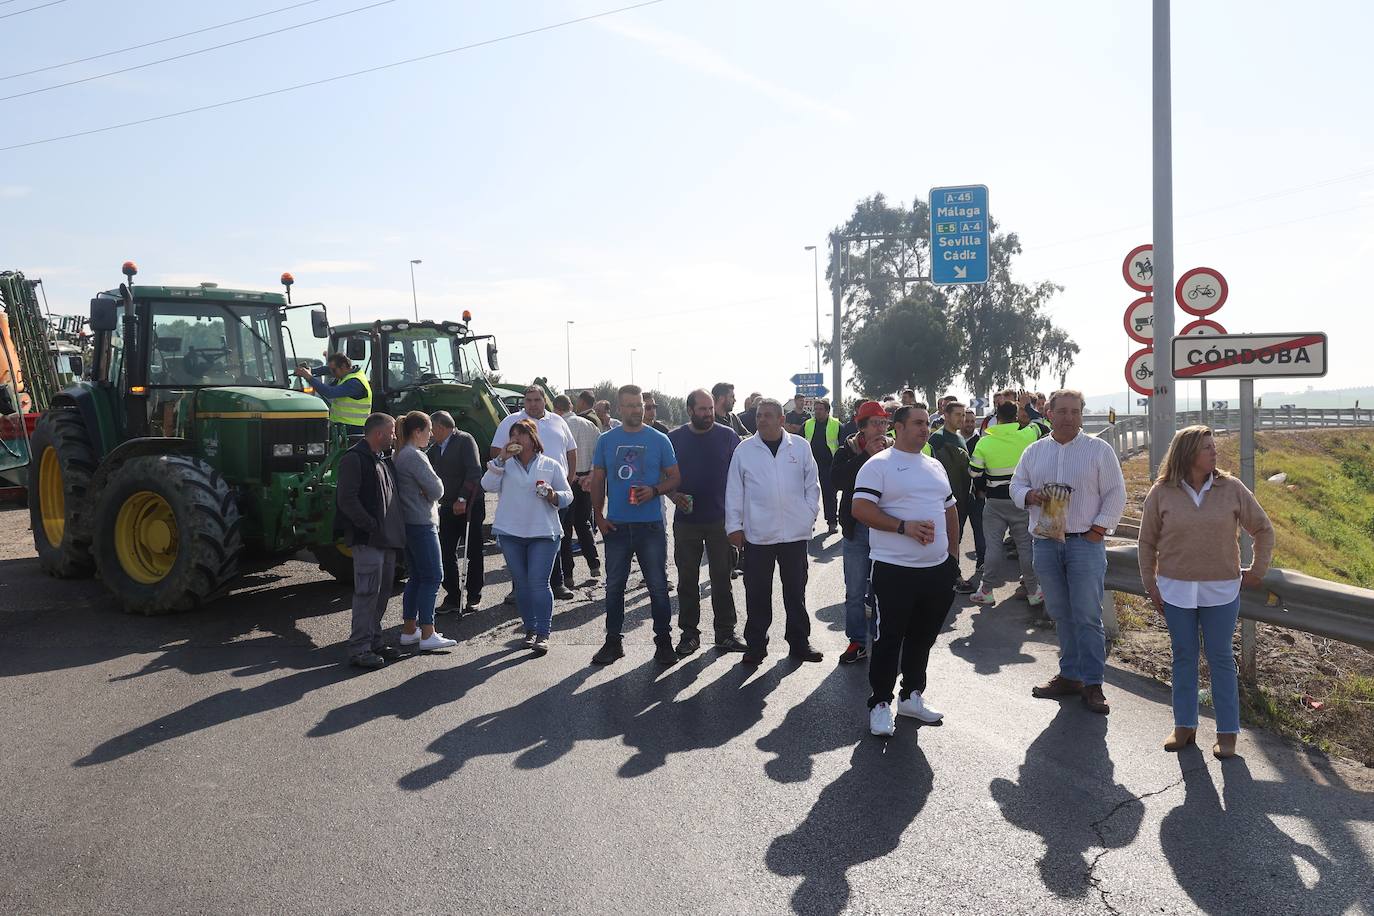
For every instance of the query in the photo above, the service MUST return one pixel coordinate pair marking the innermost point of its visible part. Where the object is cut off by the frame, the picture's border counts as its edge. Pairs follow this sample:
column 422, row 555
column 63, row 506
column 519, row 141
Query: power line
column 149, row 44
column 227, row 44
column 41, row 6
column 331, row 79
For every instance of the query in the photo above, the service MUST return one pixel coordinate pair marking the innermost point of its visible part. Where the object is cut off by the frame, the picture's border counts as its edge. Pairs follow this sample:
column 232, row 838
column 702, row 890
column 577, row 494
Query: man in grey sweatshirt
column 373, row 525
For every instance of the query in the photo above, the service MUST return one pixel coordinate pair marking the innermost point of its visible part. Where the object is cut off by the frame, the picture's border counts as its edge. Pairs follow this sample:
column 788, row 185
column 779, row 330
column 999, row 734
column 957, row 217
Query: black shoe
column 609, row 652
column 369, row 661
column 594, row 570
column 471, row 609
column 854, row 653
column 752, row 659
column 563, row 593
column 663, row 650
column 806, row 653
column 730, row 643
column 832, row 528
column 963, row 587
column 687, row 645
column 449, row 606
column 390, row 653
column 734, row 574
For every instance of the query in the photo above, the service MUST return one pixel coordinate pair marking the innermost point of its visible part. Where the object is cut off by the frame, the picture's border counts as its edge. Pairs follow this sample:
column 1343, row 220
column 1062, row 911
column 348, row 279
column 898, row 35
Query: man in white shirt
column 771, row 499
column 577, row 520
column 1071, row 571
column 905, row 499
column 559, row 445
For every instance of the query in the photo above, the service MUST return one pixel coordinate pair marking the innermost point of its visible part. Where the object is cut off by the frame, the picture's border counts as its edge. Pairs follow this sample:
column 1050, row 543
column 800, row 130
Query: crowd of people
column 898, row 481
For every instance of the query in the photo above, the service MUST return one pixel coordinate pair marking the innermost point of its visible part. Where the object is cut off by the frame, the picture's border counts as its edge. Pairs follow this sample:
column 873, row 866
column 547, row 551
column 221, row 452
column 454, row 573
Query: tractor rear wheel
column 60, row 468
column 167, row 534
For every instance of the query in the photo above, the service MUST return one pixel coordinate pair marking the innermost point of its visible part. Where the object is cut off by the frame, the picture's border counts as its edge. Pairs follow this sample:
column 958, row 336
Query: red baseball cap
column 869, row 409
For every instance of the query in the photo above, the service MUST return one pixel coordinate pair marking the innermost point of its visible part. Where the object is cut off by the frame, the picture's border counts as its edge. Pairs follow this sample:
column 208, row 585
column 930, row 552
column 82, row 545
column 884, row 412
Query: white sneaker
column 410, row 639
column 1036, row 598
column 982, row 596
column 915, row 707
column 881, row 722
column 437, row 641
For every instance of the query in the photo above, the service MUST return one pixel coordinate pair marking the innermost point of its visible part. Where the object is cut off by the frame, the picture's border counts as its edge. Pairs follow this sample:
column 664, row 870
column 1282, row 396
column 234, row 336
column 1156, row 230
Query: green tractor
column 429, row 366
column 187, row 452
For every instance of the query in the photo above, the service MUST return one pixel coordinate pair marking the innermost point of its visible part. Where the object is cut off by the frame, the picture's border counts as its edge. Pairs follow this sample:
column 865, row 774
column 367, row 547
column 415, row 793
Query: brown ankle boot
column 1181, row 738
column 1225, row 746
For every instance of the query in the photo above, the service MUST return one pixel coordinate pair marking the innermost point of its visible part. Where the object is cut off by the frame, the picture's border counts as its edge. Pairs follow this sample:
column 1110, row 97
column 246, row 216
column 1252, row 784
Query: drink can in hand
column 541, row 489
column 691, row 500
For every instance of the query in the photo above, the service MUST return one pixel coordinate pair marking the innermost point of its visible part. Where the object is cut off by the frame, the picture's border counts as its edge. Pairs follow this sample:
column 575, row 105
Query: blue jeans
column 530, row 561
column 648, row 542
column 426, row 571
column 1218, row 625
column 1071, row 575
column 857, row 568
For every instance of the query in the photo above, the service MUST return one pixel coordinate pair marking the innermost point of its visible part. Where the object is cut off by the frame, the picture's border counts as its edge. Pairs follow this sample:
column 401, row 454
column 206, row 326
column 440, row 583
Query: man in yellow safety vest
column 350, row 397
column 823, row 448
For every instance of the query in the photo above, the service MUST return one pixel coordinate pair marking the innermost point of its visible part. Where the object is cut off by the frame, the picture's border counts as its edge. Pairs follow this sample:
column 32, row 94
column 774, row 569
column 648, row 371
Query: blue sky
column 654, row 176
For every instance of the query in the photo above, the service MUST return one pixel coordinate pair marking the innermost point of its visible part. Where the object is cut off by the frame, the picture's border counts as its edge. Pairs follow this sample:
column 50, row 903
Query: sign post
column 959, row 235
column 1247, row 543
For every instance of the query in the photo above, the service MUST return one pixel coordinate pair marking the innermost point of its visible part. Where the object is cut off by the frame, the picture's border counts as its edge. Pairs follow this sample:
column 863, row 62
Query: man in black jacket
column 858, row 448
column 947, row 447
column 454, row 458
column 369, row 514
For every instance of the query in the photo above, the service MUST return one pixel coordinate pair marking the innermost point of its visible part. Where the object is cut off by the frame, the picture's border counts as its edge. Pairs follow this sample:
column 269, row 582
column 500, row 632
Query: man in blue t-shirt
column 633, row 466
column 703, row 449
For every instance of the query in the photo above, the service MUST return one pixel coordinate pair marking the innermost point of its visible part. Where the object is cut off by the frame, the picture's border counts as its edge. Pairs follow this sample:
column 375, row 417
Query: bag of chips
column 1054, row 511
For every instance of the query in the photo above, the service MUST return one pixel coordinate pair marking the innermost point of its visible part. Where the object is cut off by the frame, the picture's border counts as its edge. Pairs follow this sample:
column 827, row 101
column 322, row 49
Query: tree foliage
column 1003, row 335
column 912, row 342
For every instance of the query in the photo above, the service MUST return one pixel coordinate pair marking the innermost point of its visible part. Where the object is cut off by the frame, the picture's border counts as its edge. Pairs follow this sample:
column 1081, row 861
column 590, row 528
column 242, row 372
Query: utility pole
column 632, row 365
column 816, row 276
column 836, row 346
column 415, row 301
column 1162, row 404
column 567, row 331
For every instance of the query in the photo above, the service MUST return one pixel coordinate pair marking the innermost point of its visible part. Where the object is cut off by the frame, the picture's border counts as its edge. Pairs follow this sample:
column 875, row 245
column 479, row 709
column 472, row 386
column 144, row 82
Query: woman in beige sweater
column 1190, row 566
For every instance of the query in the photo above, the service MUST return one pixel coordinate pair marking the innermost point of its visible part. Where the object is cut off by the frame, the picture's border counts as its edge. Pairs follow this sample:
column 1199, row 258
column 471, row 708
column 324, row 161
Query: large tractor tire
column 335, row 559
column 60, row 471
column 167, row 534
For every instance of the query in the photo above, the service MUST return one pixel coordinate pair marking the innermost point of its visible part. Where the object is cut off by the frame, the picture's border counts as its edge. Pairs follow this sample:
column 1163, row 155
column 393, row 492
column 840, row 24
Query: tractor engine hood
column 257, row 403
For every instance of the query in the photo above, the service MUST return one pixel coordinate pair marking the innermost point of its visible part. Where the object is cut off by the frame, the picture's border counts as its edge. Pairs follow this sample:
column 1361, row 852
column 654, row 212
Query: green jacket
column 948, row 448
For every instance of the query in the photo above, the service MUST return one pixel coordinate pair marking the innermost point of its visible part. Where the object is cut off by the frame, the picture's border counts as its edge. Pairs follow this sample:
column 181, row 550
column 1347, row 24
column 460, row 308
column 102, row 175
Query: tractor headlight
column 315, row 449
column 281, row 450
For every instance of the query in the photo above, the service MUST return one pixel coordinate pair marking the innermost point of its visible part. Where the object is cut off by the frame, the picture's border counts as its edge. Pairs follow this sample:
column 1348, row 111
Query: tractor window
column 209, row 343
column 419, row 356
column 469, row 361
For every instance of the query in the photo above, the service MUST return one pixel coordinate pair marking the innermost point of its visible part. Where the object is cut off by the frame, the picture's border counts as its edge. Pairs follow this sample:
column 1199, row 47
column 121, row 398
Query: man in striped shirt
column 1072, row 570
column 993, row 462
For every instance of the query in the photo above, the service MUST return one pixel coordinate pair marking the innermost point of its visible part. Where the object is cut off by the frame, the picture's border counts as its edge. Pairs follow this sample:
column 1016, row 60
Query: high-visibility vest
column 352, row 411
column 996, row 454
column 832, row 433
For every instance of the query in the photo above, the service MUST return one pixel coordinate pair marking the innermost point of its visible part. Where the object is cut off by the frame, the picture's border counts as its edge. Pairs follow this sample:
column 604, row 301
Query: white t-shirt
column 554, row 435
column 911, row 488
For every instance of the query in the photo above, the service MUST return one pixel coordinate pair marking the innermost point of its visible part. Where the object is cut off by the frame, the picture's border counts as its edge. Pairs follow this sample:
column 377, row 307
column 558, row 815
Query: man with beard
column 723, row 393
column 703, row 449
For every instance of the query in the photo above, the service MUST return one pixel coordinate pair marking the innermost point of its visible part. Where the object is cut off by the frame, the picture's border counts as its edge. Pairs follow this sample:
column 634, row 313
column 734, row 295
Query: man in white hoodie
column 771, row 499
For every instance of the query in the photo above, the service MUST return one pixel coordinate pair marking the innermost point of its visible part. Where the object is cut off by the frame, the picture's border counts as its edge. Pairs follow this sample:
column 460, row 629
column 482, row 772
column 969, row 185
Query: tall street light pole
column 567, row 328
column 415, row 301
column 816, row 277
column 1162, row 403
column 632, row 365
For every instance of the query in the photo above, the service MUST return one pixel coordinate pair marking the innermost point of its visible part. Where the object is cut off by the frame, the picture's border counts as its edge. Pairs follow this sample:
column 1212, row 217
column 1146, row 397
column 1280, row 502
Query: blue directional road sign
column 812, row 391
column 959, row 235
column 808, row 378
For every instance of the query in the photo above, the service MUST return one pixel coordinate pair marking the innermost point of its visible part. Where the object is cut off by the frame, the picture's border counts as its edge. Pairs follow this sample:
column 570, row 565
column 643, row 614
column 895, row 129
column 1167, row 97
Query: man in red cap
column 858, row 448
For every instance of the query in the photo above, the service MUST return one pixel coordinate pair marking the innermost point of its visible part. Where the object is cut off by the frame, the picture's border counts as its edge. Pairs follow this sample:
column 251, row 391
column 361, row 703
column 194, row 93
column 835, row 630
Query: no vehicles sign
column 1297, row 355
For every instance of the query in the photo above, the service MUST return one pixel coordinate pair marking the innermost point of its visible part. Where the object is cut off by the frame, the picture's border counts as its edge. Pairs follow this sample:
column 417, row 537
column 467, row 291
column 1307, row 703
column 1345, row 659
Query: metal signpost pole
column 1202, row 404
column 836, row 345
column 1247, row 547
column 1162, row 403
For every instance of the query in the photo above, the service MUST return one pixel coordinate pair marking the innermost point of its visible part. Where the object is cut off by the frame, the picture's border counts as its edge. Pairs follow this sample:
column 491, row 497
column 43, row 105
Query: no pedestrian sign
column 1250, row 356
column 959, row 235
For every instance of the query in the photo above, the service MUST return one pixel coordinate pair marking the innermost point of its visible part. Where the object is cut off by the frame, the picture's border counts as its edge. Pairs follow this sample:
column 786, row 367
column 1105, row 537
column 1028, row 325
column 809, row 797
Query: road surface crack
column 1098, row 827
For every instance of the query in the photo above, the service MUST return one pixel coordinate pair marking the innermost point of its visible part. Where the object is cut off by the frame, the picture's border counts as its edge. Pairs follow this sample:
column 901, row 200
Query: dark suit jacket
column 458, row 467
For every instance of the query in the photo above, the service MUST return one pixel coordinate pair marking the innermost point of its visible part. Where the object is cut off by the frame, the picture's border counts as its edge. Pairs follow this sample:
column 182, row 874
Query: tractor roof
column 214, row 293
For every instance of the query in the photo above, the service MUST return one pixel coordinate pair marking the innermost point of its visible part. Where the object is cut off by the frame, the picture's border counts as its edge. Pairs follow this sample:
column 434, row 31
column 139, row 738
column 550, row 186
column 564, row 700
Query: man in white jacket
column 771, row 499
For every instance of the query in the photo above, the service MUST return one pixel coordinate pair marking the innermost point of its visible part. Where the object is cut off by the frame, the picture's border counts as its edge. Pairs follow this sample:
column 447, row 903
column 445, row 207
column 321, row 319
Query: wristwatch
column 901, row 527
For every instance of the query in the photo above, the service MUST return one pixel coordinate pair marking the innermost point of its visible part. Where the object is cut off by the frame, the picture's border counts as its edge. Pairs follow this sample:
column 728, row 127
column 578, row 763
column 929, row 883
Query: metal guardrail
column 1130, row 435
column 1292, row 599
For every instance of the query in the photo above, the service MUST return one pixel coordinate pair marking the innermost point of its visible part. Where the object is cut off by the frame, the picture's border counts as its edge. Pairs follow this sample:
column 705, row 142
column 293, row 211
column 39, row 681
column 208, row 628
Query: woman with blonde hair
column 1190, row 566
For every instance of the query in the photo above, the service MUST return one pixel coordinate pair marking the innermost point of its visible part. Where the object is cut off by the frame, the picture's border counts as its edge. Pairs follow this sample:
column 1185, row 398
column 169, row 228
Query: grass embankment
column 1314, row 689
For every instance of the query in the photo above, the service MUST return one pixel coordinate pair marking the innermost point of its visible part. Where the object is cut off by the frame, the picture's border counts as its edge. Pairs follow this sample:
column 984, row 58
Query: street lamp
column 632, row 365
column 567, row 328
column 413, row 298
column 816, row 277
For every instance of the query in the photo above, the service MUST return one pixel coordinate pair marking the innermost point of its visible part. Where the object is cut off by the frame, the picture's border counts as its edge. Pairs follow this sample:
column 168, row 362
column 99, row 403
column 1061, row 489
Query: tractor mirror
column 319, row 323
column 78, row 366
column 104, row 314
column 355, row 349
column 491, row 356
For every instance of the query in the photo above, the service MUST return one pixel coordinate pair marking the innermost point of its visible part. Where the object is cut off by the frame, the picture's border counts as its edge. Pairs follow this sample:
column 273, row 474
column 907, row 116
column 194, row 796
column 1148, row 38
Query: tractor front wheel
column 166, row 534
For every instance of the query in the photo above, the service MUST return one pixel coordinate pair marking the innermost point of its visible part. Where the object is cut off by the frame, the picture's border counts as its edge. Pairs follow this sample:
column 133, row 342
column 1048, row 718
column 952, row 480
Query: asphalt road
column 225, row 761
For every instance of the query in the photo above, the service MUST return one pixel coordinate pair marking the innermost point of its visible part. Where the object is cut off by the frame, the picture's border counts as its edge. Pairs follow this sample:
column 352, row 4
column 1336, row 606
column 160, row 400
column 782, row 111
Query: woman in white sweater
column 532, row 488
column 418, row 489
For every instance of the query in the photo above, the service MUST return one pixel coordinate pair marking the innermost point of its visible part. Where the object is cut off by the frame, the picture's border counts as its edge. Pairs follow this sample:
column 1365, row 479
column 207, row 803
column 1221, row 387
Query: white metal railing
column 1130, row 434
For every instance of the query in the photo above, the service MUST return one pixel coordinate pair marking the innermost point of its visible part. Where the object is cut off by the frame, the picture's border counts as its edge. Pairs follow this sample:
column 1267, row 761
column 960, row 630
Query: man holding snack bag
column 1073, row 487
